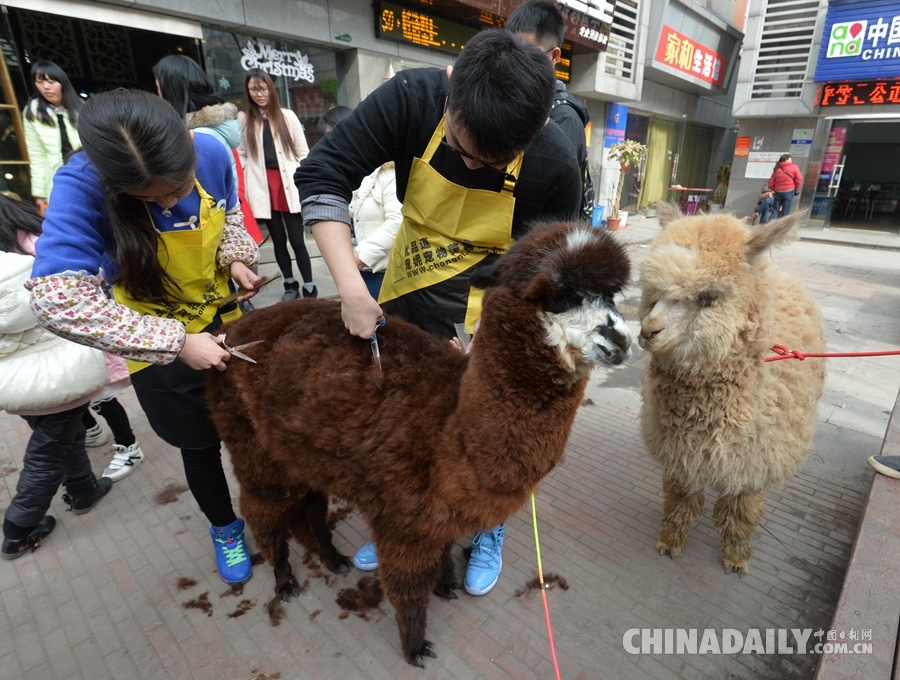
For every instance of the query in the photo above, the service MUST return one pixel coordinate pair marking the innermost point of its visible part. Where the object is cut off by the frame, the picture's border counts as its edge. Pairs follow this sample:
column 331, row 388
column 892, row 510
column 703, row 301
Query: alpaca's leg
column 447, row 580
column 680, row 509
column 309, row 526
column 269, row 523
column 736, row 519
column 331, row 558
column 408, row 575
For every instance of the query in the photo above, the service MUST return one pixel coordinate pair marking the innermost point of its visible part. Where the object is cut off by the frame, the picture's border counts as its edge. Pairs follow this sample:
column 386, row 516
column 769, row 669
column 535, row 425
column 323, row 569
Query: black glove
column 797, row 193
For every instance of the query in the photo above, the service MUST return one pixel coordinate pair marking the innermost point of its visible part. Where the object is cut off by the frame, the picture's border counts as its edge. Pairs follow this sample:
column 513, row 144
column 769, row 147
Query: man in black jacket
column 541, row 23
column 476, row 165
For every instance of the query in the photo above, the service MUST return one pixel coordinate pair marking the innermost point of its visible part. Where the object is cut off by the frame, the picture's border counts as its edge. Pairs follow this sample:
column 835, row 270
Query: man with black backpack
column 541, row 23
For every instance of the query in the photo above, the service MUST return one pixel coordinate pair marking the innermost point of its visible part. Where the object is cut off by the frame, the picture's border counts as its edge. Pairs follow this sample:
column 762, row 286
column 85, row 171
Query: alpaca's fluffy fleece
column 434, row 445
column 714, row 413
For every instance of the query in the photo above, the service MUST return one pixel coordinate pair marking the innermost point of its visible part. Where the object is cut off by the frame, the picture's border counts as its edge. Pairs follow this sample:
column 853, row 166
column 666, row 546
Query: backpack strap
column 564, row 100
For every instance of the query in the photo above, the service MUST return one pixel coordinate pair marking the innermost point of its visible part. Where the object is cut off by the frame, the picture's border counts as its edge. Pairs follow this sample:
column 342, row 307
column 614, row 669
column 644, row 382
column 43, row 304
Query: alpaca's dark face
column 570, row 273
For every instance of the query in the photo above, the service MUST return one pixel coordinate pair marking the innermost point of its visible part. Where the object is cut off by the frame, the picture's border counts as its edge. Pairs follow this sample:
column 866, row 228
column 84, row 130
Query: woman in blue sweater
column 158, row 211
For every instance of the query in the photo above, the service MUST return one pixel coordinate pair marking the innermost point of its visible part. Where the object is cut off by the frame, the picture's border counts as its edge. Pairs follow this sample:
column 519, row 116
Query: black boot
column 83, row 495
column 14, row 548
column 291, row 291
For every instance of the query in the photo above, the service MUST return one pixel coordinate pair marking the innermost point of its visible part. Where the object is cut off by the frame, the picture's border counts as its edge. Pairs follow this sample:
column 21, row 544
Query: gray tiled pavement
column 106, row 596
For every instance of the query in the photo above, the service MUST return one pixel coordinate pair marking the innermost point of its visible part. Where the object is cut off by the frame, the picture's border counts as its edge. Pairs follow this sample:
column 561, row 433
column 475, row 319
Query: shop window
column 96, row 56
column 307, row 78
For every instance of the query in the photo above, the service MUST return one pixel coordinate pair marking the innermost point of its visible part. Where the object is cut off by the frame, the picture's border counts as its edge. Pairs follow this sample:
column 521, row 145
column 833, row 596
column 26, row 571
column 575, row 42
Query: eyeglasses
column 509, row 181
column 258, row 90
column 500, row 167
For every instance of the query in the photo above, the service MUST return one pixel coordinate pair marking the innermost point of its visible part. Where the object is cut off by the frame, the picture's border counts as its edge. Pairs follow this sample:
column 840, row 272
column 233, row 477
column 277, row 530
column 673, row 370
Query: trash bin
column 598, row 220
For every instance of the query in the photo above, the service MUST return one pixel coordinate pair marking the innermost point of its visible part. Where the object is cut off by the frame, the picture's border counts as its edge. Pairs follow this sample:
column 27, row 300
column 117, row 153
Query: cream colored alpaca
column 714, row 414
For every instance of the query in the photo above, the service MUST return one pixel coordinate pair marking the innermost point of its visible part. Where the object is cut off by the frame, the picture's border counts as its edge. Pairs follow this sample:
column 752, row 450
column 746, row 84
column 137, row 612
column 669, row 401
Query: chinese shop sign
column 871, row 92
column 858, row 38
column 690, row 57
column 742, row 146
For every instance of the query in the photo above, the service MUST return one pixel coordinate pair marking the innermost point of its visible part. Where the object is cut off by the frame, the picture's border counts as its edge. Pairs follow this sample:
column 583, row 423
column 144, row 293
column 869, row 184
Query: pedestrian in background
column 541, row 23
column 158, row 210
column 272, row 146
column 48, row 381
column 50, row 120
column 763, row 209
column 786, row 181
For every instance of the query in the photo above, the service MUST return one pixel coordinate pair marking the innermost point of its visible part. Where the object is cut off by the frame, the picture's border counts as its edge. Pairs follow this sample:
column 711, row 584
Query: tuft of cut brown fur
column 438, row 443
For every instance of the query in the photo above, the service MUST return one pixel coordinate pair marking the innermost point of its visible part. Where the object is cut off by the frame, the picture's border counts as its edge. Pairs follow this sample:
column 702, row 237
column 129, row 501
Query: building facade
column 821, row 80
column 658, row 71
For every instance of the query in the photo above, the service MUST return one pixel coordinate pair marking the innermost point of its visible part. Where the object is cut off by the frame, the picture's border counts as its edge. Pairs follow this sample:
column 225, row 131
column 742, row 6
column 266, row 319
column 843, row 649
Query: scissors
column 236, row 351
column 376, row 352
column 228, row 299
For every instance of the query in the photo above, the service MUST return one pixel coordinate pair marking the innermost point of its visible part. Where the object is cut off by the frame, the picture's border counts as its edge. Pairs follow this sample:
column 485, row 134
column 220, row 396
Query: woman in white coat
column 272, row 146
column 51, row 117
column 376, row 221
column 375, row 210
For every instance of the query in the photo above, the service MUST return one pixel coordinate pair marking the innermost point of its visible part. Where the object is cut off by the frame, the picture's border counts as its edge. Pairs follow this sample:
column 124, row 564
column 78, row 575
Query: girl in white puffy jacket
column 49, row 382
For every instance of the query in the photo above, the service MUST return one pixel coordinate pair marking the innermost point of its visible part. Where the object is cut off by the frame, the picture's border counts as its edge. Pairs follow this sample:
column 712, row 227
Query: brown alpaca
column 715, row 414
column 436, row 445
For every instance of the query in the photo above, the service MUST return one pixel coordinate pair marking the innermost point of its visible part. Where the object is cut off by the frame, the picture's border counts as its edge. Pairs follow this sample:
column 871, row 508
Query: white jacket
column 376, row 217
column 256, row 188
column 38, row 370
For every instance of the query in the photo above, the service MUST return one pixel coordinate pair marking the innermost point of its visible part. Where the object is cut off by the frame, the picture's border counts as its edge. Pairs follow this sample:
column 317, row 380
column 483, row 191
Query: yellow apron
column 447, row 229
column 189, row 257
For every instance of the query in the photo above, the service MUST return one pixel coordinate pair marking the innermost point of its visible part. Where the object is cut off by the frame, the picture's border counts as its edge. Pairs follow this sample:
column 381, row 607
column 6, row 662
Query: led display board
column 423, row 27
column 855, row 94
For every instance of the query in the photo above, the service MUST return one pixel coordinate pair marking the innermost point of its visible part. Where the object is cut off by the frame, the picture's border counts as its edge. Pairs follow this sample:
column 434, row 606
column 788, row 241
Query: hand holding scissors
column 237, row 351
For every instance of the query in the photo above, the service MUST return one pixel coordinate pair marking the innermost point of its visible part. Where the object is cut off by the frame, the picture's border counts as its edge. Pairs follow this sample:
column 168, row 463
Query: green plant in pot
column 626, row 153
column 723, row 176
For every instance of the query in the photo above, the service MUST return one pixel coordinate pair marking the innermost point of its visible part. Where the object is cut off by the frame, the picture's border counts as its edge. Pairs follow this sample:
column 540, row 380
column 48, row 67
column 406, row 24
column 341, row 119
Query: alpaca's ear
column 486, row 276
column 668, row 213
column 776, row 232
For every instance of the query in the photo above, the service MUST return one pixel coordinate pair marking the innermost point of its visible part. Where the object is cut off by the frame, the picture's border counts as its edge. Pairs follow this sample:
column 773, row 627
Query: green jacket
column 45, row 150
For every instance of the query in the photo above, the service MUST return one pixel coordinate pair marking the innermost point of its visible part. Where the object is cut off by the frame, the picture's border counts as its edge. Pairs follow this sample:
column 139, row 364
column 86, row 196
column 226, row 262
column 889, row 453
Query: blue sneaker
column 366, row 559
column 485, row 562
column 232, row 559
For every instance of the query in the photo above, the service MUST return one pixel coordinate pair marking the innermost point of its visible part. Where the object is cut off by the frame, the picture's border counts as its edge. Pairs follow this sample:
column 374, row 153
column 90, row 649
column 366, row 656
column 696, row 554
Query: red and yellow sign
column 690, row 57
column 871, row 92
column 742, row 146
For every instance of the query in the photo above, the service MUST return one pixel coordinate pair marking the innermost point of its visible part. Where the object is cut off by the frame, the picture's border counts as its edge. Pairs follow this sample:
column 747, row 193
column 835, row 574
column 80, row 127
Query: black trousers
column 174, row 400
column 54, row 455
column 284, row 227
column 113, row 413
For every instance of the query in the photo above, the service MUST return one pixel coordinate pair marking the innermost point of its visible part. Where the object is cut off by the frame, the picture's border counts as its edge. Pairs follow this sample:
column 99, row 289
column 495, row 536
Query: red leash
column 783, row 352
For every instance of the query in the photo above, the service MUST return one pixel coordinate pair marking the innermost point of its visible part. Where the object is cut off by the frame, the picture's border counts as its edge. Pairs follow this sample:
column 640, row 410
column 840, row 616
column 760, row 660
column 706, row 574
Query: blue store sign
column 616, row 121
column 860, row 40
